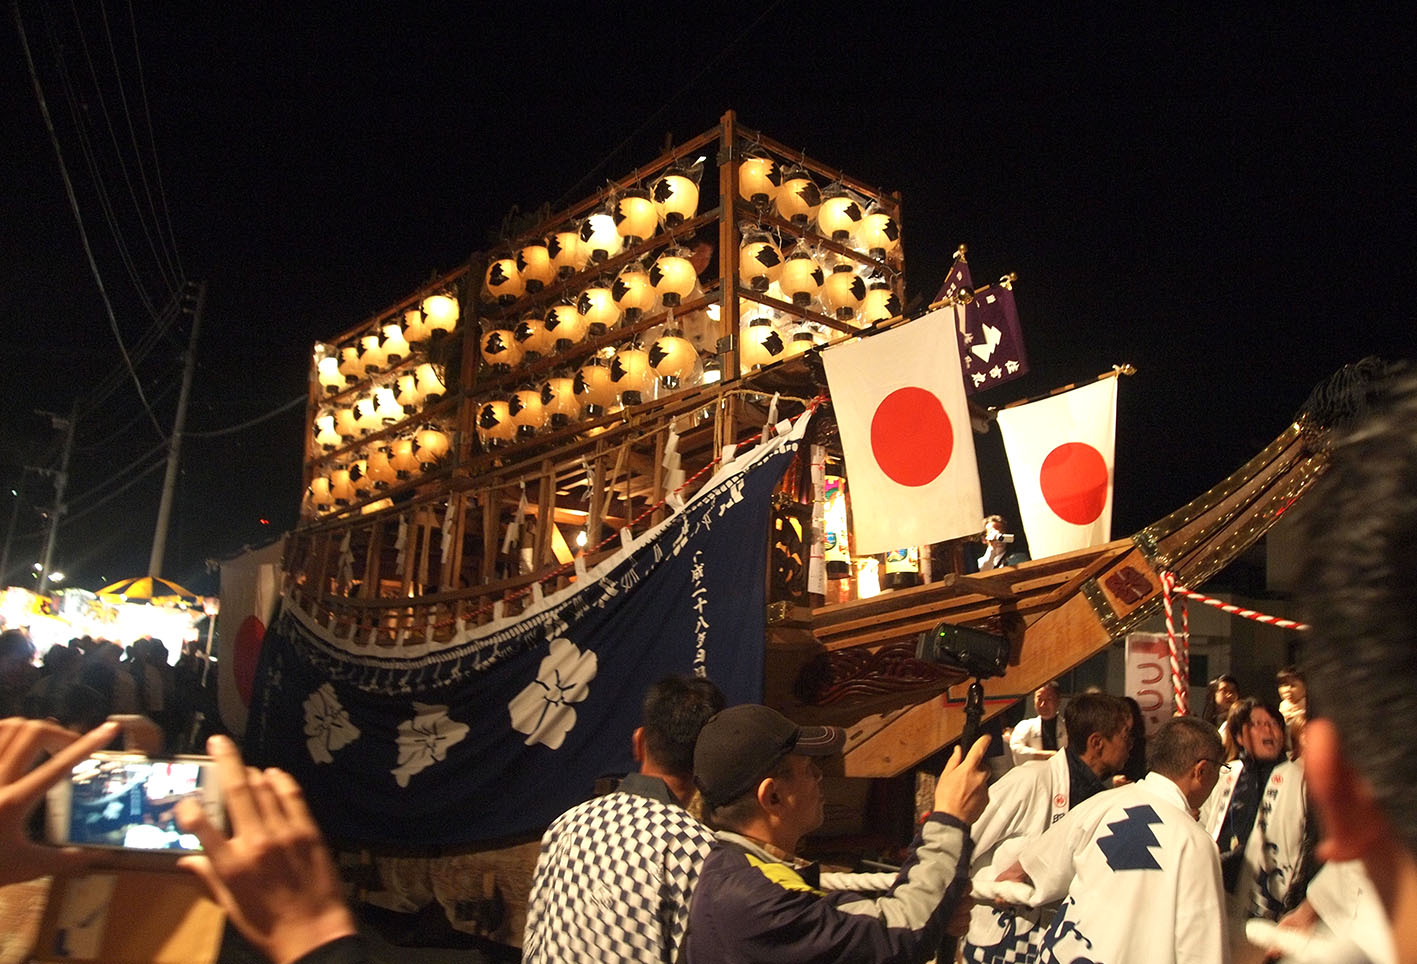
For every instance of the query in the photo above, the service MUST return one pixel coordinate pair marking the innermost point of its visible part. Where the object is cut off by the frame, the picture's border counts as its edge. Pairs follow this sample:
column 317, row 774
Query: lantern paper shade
column 415, row 329
column 758, row 180
column 534, row 265
column 327, row 370
column 881, row 303
column 601, row 237
column 558, row 400
column 798, row 198
column 346, row 423
column 395, row 346
column 387, row 407
column 800, row 342
column 372, row 354
column 430, row 383
column 801, row 278
column 673, row 358
column 532, row 336
column 759, row 261
column 430, row 445
column 631, row 375
column 568, row 252
column 673, row 276
column 440, row 313
column 408, row 394
column 635, row 216
column 366, row 415
column 503, row 282
column 763, row 344
column 359, row 478
column 500, row 350
column 351, row 365
column 402, row 459
column 676, row 198
column 598, row 308
column 341, row 487
column 526, row 411
column 593, row 386
column 381, row 470
column 839, row 216
column 494, row 423
column 564, row 323
column 843, row 292
column 633, row 292
column 325, row 434
column 879, row 234
column 320, row 495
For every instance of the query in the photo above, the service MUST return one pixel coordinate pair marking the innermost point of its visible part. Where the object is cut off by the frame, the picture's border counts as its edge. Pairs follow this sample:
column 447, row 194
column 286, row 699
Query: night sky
column 1224, row 200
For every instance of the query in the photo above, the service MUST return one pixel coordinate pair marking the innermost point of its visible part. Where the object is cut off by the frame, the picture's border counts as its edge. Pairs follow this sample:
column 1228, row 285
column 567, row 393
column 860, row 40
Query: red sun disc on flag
column 1074, row 482
column 911, row 436
column 247, row 654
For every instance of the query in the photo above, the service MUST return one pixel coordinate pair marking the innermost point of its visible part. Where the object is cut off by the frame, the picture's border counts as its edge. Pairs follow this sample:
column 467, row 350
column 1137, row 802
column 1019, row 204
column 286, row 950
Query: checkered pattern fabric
column 1024, row 947
column 613, row 882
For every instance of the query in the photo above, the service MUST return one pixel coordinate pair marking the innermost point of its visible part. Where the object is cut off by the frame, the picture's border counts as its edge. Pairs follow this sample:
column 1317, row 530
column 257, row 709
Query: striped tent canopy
column 152, row 589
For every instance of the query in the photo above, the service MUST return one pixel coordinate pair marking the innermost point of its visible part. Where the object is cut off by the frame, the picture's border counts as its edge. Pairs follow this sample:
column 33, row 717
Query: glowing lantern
column 763, row 344
column 366, row 415
column 839, row 215
column 568, row 252
column 673, row 358
column 601, row 237
column 372, row 355
column 341, row 487
column 834, row 529
column 327, row 370
column 902, row 568
column 534, row 265
column 351, row 365
column 635, row 217
column 532, row 336
column 415, row 329
column 526, row 411
column 558, row 400
column 381, row 470
column 594, row 388
column 879, row 234
column 759, row 261
column 408, row 394
column 633, row 292
column 387, row 407
column 631, row 375
column 503, row 282
column 597, row 306
column 430, row 383
column 320, row 495
column 801, row 277
column 500, row 350
column 758, row 179
column 843, row 292
column 802, row 341
column 798, row 198
column 494, row 423
column 676, row 197
column 359, row 478
column 402, row 458
column 346, row 423
column 440, row 314
column 430, row 445
column 395, row 347
column 325, row 435
column 881, row 302
column 565, row 325
column 673, row 276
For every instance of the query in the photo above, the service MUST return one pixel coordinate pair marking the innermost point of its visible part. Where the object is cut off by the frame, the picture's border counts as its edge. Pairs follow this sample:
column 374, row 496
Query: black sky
column 1223, row 198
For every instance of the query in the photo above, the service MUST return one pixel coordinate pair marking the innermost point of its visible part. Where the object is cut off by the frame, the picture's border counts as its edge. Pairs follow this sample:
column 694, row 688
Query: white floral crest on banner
column 424, row 740
column 543, row 710
column 327, row 725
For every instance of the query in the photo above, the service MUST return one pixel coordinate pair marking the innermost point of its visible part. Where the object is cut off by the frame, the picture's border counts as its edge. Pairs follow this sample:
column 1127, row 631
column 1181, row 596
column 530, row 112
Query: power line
column 298, row 400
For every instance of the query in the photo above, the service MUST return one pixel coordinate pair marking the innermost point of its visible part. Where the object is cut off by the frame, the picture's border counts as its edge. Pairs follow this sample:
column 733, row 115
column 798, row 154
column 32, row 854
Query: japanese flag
column 1060, row 453
column 900, row 406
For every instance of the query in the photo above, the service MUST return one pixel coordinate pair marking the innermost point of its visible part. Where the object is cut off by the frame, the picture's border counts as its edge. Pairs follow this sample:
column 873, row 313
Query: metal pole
column 10, row 532
column 61, row 482
column 174, row 448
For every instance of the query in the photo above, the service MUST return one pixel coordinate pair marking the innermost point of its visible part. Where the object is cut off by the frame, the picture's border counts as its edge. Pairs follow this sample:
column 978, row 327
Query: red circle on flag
column 911, row 436
column 246, row 655
column 1074, row 482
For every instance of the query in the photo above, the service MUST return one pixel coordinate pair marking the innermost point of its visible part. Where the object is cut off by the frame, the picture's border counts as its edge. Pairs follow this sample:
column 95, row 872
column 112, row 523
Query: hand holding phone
column 128, row 801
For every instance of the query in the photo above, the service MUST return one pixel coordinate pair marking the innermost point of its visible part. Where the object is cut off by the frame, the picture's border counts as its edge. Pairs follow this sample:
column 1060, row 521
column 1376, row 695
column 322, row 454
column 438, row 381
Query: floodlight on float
column 351, row 365
column 759, row 259
column 565, row 325
column 758, row 178
column 673, row 276
column 633, row 292
column 440, row 313
column 430, row 383
column 635, row 217
column 430, row 444
column 534, row 265
column 527, row 413
column 325, row 434
column 404, row 462
column 408, row 394
column 762, row 343
column 801, row 279
column 558, row 400
column 597, row 306
column 798, row 197
column 593, row 387
column 879, row 234
column 601, row 237
column 396, row 347
column 676, row 194
column 503, row 283
column 843, row 291
column 500, row 350
column 569, row 253
column 494, row 423
column 631, row 375
column 673, row 358
column 371, row 354
column 839, row 214
column 881, row 303
column 327, row 370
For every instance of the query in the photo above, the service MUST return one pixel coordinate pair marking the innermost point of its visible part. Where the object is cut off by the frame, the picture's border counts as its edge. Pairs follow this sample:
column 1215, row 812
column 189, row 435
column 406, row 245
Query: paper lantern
column 409, row 395
column 759, row 261
column 532, row 336
column 341, row 487
column 558, row 400
column 351, row 365
column 568, row 252
column 366, row 415
column 440, row 315
column 633, row 292
column 503, row 282
column 565, row 325
column 839, row 215
column 902, row 568
column 500, row 350
column 404, row 463
column 758, row 179
column 673, row 358
column 673, row 276
column 494, row 424
column 801, row 278
column 879, row 235
column 835, row 545
column 327, row 371
column 371, row 354
column 325, row 434
column 763, row 344
column 381, row 470
column 597, row 306
column 798, row 197
column 601, row 237
column 534, row 265
column 594, row 388
column 395, row 346
column 881, row 302
column 387, row 407
column 320, row 495
column 524, row 407
column 843, row 292
column 635, row 217
column 631, row 375
column 430, row 383
column 676, row 197
column 415, row 328
column 346, row 423
column 430, row 444
column 359, row 478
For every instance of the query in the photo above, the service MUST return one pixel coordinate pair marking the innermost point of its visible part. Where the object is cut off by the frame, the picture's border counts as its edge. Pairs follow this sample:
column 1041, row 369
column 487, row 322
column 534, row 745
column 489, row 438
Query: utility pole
column 61, row 482
column 174, row 446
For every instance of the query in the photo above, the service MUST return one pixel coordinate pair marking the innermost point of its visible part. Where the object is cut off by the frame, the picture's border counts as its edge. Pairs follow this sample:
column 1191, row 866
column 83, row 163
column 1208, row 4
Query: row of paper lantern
column 382, row 406
column 338, row 367
column 378, row 467
column 807, row 277
column 627, row 220
column 833, row 212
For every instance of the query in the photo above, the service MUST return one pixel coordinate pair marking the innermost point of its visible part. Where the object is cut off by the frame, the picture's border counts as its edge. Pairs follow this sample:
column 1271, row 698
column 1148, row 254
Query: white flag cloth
column 1060, row 452
column 905, row 433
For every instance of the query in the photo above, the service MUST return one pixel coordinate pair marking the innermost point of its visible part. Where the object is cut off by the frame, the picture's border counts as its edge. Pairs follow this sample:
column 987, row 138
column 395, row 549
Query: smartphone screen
column 132, row 802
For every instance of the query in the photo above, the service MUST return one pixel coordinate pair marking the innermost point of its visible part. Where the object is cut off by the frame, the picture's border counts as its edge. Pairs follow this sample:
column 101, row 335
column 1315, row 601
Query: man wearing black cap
column 756, row 901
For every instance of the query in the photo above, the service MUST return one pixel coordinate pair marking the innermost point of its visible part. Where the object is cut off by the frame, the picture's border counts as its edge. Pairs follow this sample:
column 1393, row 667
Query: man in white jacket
column 1041, row 736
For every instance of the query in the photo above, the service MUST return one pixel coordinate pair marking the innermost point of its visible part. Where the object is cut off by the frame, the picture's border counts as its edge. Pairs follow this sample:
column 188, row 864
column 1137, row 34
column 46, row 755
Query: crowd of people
column 695, row 858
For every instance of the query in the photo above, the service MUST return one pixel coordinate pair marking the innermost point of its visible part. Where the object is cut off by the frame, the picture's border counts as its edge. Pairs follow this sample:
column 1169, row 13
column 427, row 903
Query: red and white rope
column 1179, row 658
column 1230, row 608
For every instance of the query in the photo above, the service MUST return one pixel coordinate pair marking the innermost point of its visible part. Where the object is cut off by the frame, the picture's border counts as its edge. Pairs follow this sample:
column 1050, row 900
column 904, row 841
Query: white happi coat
column 1275, row 848
column 1141, row 878
column 1026, row 742
column 1024, row 803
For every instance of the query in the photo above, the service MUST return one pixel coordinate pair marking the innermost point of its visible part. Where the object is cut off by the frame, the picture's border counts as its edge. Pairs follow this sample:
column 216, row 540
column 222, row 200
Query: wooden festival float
column 581, row 380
